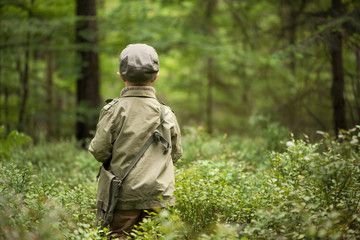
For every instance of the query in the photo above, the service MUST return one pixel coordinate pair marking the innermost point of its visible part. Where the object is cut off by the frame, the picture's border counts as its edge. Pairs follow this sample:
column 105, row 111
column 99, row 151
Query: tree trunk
column 49, row 94
column 292, row 38
column 24, row 81
column 357, row 84
column 209, row 100
column 24, row 76
column 88, row 79
column 338, row 85
column 210, row 8
column 295, row 8
column 4, row 119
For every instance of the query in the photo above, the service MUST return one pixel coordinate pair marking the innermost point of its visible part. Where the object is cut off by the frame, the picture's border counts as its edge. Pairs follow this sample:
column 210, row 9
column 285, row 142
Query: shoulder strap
column 156, row 136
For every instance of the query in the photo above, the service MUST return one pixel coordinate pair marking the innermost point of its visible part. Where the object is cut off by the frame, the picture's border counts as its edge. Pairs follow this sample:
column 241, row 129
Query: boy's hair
column 138, row 63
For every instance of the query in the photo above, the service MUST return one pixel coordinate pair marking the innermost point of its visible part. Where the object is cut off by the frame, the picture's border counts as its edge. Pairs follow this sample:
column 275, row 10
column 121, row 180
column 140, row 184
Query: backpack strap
column 156, row 136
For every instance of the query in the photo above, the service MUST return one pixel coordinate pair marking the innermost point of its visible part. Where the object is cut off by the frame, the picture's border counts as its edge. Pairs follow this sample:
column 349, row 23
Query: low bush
column 302, row 191
column 46, row 191
column 315, row 191
column 309, row 191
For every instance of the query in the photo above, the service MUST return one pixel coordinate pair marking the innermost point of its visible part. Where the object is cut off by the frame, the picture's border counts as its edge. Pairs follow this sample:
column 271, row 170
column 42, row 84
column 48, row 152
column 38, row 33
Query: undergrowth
column 226, row 188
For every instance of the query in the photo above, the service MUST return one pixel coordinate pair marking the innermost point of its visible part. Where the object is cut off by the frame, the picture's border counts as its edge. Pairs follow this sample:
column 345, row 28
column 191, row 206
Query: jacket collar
column 138, row 91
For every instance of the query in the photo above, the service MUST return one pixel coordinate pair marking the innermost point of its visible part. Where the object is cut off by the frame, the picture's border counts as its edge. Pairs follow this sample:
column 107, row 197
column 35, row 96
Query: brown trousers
column 124, row 221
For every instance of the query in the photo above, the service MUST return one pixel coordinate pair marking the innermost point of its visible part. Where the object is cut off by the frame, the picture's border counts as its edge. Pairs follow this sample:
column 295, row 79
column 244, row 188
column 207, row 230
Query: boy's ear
column 120, row 76
column 155, row 78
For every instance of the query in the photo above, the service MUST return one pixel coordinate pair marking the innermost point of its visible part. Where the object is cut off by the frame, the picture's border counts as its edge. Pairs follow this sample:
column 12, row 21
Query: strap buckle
column 160, row 138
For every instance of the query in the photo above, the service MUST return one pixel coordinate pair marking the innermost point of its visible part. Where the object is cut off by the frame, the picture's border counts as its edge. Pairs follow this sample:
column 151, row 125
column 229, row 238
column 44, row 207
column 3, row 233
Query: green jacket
column 124, row 126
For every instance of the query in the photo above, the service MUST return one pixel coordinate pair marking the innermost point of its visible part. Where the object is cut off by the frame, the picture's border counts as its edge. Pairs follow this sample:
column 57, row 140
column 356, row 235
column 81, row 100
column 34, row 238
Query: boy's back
column 124, row 126
column 127, row 123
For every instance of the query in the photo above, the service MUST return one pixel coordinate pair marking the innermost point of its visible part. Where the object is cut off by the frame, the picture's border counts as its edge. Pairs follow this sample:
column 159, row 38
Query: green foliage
column 270, row 58
column 314, row 191
column 306, row 191
column 207, row 185
column 46, row 192
column 11, row 142
column 309, row 191
column 200, row 145
column 272, row 133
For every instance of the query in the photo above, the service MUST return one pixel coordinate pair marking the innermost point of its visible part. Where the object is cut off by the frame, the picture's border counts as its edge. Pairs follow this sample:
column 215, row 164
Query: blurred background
column 227, row 66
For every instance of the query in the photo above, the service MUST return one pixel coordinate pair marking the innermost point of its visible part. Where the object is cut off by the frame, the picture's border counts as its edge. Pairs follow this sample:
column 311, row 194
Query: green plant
column 11, row 142
column 307, row 191
column 314, row 191
column 46, row 191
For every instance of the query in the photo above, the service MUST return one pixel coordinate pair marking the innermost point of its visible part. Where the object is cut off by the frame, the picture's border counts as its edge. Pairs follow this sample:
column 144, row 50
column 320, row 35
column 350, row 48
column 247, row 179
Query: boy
column 124, row 126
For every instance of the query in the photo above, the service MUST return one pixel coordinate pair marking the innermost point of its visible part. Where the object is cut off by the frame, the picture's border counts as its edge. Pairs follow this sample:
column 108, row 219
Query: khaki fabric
column 124, row 126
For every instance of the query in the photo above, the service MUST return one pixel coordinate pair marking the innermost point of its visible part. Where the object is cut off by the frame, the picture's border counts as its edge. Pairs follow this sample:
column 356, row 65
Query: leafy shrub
column 271, row 133
column 315, row 192
column 308, row 191
column 11, row 142
column 200, row 145
column 46, row 192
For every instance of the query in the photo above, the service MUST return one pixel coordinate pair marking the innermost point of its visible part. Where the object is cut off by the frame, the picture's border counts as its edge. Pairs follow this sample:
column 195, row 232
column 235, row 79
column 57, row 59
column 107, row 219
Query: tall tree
column 338, row 84
column 88, row 79
column 24, row 75
column 210, row 64
column 49, row 73
column 292, row 11
column 357, row 82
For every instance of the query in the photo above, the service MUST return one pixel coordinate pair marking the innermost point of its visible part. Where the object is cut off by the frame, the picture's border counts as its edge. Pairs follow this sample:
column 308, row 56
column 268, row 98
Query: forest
column 266, row 92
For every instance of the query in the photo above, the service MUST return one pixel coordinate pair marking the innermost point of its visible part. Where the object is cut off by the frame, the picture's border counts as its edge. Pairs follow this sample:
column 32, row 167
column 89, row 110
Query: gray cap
column 138, row 63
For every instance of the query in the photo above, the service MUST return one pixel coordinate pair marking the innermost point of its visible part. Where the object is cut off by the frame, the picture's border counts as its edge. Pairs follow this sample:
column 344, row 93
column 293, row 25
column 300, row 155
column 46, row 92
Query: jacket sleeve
column 176, row 148
column 102, row 144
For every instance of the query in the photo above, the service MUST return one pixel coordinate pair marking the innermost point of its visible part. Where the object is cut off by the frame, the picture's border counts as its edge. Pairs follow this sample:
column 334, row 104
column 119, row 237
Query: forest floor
column 226, row 188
